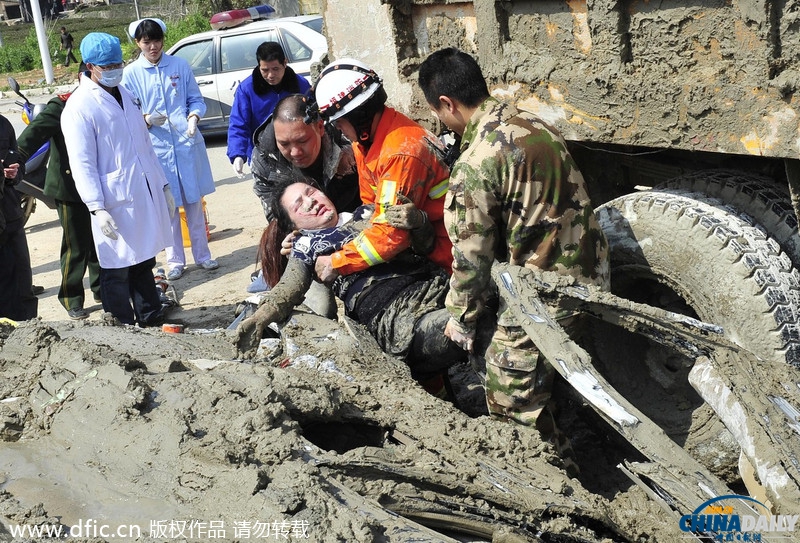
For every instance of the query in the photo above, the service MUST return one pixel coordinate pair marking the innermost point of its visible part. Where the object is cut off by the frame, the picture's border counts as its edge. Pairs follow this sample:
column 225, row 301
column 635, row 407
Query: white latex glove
column 155, row 119
column 192, row 128
column 107, row 225
column 238, row 167
column 170, row 201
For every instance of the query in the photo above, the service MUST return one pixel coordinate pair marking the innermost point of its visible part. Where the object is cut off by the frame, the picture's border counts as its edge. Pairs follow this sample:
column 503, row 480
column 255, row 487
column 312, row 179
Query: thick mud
column 322, row 438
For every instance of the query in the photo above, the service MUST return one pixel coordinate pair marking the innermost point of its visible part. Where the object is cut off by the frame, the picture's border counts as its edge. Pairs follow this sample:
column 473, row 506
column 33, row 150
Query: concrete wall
column 706, row 75
column 286, row 8
column 366, row 30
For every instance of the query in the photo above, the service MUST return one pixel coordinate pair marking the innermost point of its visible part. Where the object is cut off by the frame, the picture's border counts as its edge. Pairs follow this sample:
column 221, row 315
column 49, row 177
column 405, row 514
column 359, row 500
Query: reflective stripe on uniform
column 366, row 250
column 387, row 197
column 439, row 189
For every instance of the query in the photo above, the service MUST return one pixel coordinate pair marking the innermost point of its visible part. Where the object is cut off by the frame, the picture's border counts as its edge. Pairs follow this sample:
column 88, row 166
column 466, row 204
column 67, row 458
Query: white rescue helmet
column 344, row 85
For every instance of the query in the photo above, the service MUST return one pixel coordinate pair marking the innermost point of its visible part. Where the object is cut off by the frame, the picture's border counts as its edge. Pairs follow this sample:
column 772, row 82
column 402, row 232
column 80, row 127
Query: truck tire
column 762, row 198
column 709, row 259
column 692, row 254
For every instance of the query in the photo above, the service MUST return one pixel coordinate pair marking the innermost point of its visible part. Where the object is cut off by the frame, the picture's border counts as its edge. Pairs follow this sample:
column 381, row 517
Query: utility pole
column 41, row 37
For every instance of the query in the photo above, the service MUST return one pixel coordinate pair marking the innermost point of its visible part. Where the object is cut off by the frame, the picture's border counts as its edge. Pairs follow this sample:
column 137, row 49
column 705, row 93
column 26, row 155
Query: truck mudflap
column 763, row 421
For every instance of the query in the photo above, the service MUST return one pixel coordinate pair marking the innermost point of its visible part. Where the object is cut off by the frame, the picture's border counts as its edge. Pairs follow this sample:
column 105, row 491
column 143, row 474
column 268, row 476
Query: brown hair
column 273, row 263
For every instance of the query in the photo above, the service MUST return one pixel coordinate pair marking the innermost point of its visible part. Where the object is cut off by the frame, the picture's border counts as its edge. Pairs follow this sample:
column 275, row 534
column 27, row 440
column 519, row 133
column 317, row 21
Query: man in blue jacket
column 256, row 97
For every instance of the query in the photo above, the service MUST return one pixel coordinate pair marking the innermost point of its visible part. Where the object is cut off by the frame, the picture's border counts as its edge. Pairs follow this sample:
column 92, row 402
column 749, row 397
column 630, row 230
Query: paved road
column 12, row 111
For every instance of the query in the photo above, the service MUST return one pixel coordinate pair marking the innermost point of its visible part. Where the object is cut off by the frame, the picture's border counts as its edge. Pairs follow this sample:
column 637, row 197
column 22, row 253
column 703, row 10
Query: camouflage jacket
column 516, row 196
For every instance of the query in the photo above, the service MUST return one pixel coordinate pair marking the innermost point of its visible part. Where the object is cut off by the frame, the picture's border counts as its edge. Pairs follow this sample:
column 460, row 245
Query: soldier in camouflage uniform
column 515, row 196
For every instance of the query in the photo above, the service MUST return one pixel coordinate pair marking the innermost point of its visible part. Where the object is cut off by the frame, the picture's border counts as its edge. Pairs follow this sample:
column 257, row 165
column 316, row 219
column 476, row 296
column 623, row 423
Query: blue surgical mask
column 111, row 78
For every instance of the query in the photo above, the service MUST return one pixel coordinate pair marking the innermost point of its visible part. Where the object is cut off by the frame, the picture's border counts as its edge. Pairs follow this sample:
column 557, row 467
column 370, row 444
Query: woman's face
column 151, row 49
column 308, row 208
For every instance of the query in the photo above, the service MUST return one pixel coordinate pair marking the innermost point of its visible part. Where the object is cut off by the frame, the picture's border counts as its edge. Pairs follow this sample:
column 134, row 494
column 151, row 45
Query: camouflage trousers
column 519, row 383
column 519, row 379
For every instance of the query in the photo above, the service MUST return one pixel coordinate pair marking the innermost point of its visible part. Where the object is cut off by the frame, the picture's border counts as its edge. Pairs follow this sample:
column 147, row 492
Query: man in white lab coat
column 120, row 179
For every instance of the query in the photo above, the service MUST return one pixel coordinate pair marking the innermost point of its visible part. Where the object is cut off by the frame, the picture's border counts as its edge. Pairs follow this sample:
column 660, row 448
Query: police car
column 223, row 57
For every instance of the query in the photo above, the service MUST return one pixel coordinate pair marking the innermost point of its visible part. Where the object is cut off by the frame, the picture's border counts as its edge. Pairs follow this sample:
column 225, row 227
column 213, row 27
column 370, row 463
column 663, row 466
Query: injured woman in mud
column 400, row 302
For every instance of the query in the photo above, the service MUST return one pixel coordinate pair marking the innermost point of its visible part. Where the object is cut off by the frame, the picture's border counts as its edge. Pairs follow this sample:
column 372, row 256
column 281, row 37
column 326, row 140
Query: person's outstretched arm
column 276, row 306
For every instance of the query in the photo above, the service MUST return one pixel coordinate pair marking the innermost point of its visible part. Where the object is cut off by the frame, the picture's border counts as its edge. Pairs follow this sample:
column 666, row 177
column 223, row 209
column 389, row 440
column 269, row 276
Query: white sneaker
column 209, row 264
column 175, row 273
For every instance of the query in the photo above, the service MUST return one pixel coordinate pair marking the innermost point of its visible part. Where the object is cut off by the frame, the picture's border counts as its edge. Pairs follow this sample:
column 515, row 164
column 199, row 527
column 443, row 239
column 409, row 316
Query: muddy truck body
column 684, row 117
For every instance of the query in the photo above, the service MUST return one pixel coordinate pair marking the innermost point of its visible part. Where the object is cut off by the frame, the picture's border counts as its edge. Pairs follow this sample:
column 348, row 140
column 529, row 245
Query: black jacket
column 287, row 84
column 11, row 216
column 58, row 183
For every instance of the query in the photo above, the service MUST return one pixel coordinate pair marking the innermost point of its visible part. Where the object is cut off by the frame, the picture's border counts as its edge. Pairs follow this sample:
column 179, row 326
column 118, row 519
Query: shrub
column 20, row 52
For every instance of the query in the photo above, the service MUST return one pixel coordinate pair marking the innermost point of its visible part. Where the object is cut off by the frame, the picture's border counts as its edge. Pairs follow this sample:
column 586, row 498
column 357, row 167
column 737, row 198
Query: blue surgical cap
column 101, row 49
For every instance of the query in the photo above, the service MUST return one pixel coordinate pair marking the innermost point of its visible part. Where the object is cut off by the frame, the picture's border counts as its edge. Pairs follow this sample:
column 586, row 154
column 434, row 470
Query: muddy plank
column 692, row 482
column 763, row 419
column 761, row 410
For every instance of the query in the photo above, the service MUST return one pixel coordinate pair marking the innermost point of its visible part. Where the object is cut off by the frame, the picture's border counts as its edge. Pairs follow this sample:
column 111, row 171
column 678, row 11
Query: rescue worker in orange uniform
column 397, row 159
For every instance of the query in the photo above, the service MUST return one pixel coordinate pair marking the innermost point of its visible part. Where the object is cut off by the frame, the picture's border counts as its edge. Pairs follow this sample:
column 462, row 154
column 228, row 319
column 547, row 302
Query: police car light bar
column 235, row 17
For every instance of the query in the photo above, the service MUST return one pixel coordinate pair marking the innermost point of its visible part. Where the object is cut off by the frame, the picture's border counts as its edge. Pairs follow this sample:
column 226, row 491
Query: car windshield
column 296, row 50
column 314, row 24
column 198, row 55
column 239, row 50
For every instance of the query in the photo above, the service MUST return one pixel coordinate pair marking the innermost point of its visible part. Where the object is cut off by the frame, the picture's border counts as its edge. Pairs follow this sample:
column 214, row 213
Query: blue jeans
column 121, row 287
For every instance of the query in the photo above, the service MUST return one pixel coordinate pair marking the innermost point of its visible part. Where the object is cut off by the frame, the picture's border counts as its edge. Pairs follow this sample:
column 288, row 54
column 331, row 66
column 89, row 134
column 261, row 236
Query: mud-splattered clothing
column 389, row 299
column 403, row 158
column 517, row 196
column 323, row 241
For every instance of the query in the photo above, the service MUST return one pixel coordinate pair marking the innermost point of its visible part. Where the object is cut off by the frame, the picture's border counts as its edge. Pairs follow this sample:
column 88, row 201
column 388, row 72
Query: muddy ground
column 322, row 437
column 324, row 434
